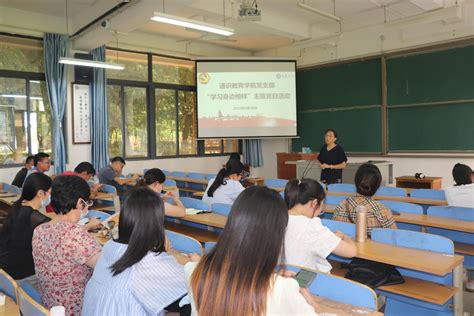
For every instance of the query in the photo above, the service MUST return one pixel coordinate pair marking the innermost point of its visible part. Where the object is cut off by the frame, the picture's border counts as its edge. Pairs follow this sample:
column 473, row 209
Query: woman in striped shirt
column 134, row 275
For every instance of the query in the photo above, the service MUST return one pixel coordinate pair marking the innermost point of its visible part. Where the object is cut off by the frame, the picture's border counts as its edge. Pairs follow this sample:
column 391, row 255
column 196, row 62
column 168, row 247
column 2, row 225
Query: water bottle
column 361, row 223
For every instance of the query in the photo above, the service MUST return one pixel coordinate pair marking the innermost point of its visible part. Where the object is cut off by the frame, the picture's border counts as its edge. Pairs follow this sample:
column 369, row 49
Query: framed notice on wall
column 81, row 122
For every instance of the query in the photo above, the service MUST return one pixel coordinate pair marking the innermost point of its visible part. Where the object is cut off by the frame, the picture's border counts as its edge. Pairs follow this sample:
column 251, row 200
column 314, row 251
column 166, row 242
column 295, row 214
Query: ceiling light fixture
column 89, row 63
column 193, row 24
column 319, row 12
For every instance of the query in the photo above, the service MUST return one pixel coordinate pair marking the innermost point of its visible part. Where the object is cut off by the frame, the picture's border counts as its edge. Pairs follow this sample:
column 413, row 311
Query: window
column 25, row 116
column 155, row 118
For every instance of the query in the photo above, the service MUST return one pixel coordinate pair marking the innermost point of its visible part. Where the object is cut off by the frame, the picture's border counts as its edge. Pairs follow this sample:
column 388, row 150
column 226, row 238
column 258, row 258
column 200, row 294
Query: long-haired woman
column 154, row 179
column 238, row 277
column 134, row 275
column 226, row 186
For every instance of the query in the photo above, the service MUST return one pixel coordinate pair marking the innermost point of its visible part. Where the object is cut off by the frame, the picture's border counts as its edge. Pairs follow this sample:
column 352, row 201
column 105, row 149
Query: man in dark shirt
column 21, row 175
column 111, row 175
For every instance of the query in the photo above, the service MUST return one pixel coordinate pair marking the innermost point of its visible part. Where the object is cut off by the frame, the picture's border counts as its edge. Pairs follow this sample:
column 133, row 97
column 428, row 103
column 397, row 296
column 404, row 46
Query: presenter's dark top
column 332, row 157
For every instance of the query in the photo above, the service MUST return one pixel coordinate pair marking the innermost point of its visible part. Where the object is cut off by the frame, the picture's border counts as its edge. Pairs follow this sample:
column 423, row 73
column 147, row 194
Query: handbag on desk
column 372, row 273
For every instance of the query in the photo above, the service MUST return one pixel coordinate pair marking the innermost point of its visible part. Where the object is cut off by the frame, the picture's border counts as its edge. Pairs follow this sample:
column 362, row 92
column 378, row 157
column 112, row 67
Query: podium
column 288, row 171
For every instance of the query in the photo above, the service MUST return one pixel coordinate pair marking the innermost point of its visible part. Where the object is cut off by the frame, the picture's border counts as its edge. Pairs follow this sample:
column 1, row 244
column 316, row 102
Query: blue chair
column 335, row 199
column 459, row 213
column 340, row 290
column 107, row 188
column 28, row 306
column 8, row 285
column 184, row 243
column 342, row 187
column 6, row 187
column 275, row 183
column 221, row 208
column 180, row 184
column 194, row 203
column 428, row 194
column 31, row 291
column 391, row 191
column 347, row 228
column 401, row 305
column 403, row 207
column 102, row 216
column 15, row 189
column 170, row 183
column 210, row 176
column 197, row 186
column 208, row 246
column 166, row 172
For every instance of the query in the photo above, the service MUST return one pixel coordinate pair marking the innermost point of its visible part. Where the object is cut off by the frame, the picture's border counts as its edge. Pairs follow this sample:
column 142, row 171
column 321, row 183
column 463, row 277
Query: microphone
column 306, row 169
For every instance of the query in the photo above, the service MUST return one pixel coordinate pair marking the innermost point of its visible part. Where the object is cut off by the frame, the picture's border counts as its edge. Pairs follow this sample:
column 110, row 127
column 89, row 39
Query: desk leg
column 116, row 203
column 458, row 297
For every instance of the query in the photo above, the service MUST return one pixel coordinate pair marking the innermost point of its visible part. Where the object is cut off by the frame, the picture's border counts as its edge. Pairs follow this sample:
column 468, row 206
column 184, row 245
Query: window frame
column 28, row 77
column 151, row 87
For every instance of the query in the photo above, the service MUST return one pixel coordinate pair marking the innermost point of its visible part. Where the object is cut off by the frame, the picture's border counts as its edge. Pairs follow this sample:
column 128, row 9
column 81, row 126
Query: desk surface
column 190, row 180
column 10, row 308
column 406, row 199
column 329, row 306
column 425, row 220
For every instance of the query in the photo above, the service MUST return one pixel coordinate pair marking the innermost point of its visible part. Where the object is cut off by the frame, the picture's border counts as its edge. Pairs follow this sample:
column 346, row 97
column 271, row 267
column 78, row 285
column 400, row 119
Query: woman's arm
column 346, row 247
column 341, row 165
column 93, row 260
column 177, row 210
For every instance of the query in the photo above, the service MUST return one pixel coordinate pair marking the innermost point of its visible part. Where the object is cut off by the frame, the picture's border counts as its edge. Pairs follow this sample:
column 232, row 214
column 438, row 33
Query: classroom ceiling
column 283, row 22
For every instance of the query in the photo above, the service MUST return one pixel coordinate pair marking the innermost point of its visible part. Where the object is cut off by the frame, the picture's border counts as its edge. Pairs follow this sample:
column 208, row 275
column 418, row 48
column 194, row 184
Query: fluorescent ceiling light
column 192, row 24
column 89, row 63
column 319, row 12
column 20, row 96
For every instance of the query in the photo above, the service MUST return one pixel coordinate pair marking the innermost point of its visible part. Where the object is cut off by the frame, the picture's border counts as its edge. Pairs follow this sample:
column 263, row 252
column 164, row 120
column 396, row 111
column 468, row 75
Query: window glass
column 136, row 65
column 115, row 121
column 171, row 70
column 21, row 54
column 136, row 140
column 165, row 118
column 187, row 131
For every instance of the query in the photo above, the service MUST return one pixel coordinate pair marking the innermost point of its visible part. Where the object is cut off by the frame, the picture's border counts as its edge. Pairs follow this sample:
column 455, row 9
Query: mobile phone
column 305, row 277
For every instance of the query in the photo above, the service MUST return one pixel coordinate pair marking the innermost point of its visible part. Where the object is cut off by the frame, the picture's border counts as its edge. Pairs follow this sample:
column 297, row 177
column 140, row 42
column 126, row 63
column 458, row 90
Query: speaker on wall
column 83, row 74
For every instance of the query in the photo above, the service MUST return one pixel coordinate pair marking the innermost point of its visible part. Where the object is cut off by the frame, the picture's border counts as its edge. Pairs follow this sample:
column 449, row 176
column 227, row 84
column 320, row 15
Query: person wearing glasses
column 226, row 186
column 41, row 164
column 307, row 241
column 64, row 253
column 112, row 173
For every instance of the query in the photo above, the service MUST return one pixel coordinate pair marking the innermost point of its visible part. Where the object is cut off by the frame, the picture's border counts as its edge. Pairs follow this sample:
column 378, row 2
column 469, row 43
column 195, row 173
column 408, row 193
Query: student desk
column 190, row 180
column 406, row 199
column 10, row 308
column 329, row 306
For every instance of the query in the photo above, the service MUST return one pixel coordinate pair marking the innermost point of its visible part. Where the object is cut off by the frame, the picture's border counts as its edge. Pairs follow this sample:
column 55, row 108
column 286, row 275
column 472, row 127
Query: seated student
column 86, row 171
column 41, row 164
column 63, row 252
column 21, row 175
column 154, row 179
column 245, row 172
column 238, row 277
column 111, row 175
column 367, row 181
column 15, row 237
column 307, row 241
column 225, row 187
column 461, row 194
column 134, row 275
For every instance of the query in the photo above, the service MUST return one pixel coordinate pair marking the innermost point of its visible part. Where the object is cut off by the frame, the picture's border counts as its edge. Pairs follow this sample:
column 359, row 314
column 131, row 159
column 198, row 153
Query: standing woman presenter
column 332, row 159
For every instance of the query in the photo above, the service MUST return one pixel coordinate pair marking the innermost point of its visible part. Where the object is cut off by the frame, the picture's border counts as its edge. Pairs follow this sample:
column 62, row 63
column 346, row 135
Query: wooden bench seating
column 414, row 288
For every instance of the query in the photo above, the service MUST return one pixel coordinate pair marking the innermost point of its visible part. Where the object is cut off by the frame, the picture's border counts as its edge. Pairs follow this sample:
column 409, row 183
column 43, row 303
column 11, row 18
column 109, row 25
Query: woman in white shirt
column 238, row 277
column 308, row 242
column 462, row 194
column 226, row 186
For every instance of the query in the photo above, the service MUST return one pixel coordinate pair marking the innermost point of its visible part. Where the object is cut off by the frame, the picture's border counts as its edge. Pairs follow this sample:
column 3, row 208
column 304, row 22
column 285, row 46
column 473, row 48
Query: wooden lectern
column 286, row 171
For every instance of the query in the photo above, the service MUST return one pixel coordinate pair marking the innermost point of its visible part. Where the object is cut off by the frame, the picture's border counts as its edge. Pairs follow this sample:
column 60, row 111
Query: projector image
column 249, row 13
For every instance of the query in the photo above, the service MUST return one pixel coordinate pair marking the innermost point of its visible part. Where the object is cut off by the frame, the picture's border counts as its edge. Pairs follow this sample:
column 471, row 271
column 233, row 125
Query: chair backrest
column 459, row 213
column 194, row 203
column 15, row 189
column 6, row 186
column 8, row 285
column 342, row 187
column 428, row 194
column 28, row 306
column 107, row 188
column 31, row 291
column 347, row 228
column 197, row 186
column 196, row 175
column 170, row 183
column 210, row 176
column 416, row 240
column 403, row 207
column 208, row 246
column 102, row 216
column 339, row 289
column 335, row 199
column 221, row 208
column 180, row 174
column 391, row 191
column 276, row 183
column 184, row 243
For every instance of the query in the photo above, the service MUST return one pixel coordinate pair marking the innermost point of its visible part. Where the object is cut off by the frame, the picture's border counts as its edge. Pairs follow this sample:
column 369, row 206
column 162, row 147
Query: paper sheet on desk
column 192, row 211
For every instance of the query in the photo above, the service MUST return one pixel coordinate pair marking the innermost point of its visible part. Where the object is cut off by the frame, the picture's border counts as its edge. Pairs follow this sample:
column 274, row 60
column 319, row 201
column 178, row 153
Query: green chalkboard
column 445, row 75
column 432, row 128
column 359, row 129
column 351, row 84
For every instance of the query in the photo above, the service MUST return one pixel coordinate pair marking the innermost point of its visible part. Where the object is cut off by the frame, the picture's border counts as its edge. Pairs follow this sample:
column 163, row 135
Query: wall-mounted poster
column 81, row 121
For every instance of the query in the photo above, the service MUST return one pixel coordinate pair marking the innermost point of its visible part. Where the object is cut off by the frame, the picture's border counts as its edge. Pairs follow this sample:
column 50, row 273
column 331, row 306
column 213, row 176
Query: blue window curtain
column 56, row 46
column 99, row 115
column 252, row 152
